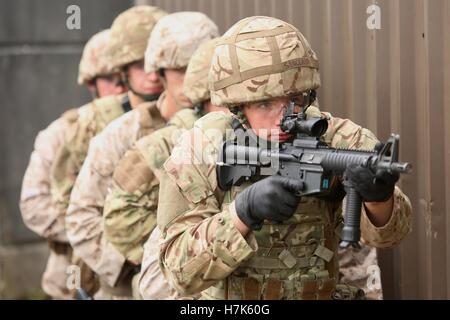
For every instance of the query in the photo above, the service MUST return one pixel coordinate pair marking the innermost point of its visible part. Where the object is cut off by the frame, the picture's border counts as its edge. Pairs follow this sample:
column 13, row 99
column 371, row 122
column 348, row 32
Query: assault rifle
column 310, row 160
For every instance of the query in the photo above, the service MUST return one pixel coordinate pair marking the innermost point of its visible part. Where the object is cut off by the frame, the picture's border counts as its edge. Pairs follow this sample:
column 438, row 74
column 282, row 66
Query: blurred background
column 385, row 64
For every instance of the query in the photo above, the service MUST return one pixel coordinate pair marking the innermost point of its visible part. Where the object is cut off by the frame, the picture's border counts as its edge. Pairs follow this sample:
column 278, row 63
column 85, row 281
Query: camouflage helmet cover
column 175, row 38
column 195, row 85
column 129, row 34
column 94, row 60
column 261, row 58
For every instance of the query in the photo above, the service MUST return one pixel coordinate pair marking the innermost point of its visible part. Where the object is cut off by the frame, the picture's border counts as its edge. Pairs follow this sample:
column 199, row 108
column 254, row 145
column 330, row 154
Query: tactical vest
column 295, row 260
column 90, row 120
column 109, row 108
column 150, row 118
column 182, row 120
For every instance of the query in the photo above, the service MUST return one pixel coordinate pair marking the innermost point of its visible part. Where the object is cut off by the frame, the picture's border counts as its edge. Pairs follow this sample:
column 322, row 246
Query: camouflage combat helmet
column 175, row 38
column 195, row 84
column 260, row 58
column 130, row 31
column 94, row 60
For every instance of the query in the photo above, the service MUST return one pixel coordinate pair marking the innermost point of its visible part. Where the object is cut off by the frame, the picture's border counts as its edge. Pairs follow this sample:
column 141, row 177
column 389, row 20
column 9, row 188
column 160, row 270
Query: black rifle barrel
column 329, row 160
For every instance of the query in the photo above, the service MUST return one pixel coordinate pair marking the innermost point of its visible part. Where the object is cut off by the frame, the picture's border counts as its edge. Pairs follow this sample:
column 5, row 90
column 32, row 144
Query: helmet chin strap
column 95, row 94
column 145, row 97
column 93, row 89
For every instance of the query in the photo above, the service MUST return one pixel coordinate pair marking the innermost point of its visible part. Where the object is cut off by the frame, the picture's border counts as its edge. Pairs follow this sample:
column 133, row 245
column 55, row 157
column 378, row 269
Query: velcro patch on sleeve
column 132, row 172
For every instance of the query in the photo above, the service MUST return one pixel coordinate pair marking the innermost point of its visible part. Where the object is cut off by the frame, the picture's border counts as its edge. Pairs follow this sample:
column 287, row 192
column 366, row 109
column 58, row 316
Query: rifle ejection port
column 307, row 157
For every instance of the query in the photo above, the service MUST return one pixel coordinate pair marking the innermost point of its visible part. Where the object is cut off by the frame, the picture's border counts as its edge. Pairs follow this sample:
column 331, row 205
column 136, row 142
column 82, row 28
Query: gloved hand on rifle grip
column 372, row 187
column 274, row 198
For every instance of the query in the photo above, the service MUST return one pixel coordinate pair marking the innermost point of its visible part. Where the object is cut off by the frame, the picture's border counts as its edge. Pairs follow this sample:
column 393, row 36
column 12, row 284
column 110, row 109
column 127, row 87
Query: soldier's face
column 142, row 82
column 265, row 118
column 109, row 85
column 174, row 85
column 175, row 99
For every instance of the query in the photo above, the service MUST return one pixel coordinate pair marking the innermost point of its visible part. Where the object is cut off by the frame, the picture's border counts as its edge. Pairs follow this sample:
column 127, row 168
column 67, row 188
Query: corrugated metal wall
column 395, row 79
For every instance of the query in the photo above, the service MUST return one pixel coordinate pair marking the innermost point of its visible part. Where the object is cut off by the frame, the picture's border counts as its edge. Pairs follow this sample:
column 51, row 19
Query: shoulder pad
column 157, row 146
column 217, row 120
column 132, row 171
column 108, row 108
column 185, row 118
column 149, row 116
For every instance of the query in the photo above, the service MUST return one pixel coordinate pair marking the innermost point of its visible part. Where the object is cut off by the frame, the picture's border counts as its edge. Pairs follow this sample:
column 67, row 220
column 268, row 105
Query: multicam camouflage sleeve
column 344, row 133
column 201, row 244
column 358, row 267
column 152, row 283
column 130, row 208
column 37, row 204
column 398, row 226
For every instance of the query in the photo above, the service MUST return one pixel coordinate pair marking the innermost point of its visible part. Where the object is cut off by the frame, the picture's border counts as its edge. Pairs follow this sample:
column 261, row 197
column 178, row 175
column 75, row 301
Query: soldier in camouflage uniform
column 129, row 33
column 94, row 180
column 126, row 47
column 37, row 205
column 260, row 240
column 95, row 70
column 130, row 209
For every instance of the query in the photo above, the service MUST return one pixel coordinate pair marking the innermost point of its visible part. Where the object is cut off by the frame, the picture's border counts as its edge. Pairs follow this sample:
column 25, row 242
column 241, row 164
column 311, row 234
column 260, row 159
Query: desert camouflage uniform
column 39, row 210
column 129, row 35
column 92, row 118
column 359, row 267
column 95, row 60
column 130, row 209
column 84, row 215
column 38, row 205
column 259, row 58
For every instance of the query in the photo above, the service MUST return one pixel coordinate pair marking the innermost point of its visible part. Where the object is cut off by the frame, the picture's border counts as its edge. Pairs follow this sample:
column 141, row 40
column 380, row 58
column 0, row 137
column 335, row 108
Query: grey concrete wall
column 39, row 59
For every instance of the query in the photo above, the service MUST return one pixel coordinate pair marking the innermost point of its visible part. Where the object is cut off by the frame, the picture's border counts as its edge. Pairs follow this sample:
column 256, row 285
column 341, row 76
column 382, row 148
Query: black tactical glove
column 272, row 198
column 372, row 187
